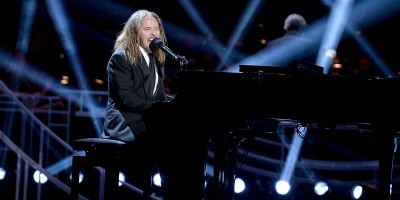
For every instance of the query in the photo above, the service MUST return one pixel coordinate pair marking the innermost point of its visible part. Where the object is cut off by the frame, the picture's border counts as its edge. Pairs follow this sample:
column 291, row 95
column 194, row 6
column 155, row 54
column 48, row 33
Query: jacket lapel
column 146, row 76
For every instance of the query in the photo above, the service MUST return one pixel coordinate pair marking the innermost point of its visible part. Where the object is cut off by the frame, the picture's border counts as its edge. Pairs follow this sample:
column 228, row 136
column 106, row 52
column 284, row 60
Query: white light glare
column 282, row 187
column 239, row 185
column 320, row 188
column 37, row 176
column 331, row 53
column 157, row 180
column 2, row 173
column 121, row 177
column 357, row 192
column 80, row 177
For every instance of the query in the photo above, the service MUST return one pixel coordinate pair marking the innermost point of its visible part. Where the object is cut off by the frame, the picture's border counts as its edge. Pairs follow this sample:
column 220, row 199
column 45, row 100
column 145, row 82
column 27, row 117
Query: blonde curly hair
column 128, row 39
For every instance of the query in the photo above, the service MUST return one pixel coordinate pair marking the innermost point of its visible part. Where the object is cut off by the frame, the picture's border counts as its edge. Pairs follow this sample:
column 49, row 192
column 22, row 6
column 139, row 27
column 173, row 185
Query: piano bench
column 104, row 153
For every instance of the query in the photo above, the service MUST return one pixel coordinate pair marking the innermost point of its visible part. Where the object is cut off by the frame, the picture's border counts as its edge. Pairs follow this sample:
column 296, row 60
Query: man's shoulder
column 118, row 52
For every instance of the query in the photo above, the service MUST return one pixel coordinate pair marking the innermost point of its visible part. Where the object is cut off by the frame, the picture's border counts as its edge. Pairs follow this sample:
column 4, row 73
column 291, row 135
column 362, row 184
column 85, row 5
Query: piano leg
column 386, row 135
column 224, row 167
column 225, row 164
column 182, row 168
column 181, row 153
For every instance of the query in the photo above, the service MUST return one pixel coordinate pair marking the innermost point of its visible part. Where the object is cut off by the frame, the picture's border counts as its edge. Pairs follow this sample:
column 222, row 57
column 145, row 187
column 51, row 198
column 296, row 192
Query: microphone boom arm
column 157, row 43
column 182, row 62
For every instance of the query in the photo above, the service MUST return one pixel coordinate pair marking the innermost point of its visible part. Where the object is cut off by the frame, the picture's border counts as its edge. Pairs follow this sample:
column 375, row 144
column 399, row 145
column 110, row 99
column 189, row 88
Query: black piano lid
column 294, row 68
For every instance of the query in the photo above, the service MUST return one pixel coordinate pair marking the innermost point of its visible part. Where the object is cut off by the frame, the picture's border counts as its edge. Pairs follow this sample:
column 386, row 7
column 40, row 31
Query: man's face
column 148, row 30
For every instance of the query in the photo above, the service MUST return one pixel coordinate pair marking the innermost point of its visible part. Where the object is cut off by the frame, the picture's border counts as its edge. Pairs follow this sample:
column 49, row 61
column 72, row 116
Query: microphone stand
column 182, row 62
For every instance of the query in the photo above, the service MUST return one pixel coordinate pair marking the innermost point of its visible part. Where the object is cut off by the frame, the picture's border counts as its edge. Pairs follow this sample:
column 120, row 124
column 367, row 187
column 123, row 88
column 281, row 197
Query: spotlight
column 321, row 188
column 2, row 173
column 239, row 185
column 282, row 187
column 38, row 176
column 157, row 180
column 121, row 177
column 80, row 177
column 356, row 191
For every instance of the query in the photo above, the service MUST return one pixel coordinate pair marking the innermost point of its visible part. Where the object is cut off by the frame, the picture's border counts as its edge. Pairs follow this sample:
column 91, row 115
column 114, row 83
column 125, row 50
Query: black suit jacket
column 129, row 95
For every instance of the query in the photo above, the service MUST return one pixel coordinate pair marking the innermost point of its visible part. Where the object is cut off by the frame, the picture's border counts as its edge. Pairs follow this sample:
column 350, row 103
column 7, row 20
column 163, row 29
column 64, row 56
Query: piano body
column 259, row 98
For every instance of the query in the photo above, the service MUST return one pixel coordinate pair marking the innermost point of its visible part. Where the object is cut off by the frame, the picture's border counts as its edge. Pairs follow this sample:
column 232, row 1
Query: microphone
column 157, row 43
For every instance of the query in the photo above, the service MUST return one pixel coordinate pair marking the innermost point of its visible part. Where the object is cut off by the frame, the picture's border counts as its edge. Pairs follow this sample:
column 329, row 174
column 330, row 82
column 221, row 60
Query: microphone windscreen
column 155, row 44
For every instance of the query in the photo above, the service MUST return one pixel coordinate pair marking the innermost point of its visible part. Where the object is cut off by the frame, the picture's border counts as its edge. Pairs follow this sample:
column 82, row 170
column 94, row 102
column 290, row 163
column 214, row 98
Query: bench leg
column 111, row 182
column 75, row 177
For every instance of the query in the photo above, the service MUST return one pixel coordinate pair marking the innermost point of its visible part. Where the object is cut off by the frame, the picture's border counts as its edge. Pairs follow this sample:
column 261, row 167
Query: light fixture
column 356, row 191
column 2, row 173
column 321, row 188
column 282, row 187
column 121, row 177
column 239, row 185
column 39, row 177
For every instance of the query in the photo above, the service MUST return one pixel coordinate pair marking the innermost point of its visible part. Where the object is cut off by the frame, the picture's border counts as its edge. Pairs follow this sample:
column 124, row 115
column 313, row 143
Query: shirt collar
column 144, row 52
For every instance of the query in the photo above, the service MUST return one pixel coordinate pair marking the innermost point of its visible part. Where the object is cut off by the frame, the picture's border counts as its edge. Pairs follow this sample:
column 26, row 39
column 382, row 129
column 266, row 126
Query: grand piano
column 258, row 98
